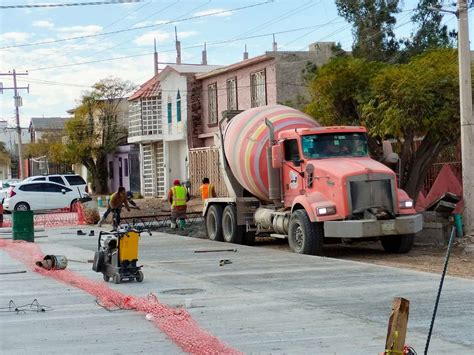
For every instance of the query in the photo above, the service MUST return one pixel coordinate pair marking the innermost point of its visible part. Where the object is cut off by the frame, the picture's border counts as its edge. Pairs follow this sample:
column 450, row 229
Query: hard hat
column 176, row 182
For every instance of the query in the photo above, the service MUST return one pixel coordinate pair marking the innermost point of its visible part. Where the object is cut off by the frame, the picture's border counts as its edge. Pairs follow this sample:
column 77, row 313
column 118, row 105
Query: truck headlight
column 406, row 204
column 324, row 211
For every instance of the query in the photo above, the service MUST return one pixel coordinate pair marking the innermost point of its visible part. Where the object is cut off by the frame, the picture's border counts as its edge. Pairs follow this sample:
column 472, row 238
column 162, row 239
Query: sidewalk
column 266, row 301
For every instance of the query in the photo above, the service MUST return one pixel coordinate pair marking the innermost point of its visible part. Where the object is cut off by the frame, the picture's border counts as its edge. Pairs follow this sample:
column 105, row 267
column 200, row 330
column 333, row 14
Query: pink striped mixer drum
column 246, row 139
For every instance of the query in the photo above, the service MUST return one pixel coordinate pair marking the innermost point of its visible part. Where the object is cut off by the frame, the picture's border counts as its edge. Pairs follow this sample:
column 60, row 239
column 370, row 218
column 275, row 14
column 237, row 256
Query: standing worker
column 207, row 189
column 178, row 197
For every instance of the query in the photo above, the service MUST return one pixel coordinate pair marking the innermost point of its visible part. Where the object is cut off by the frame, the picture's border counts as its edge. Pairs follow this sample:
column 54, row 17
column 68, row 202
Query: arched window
column 170, row 110
column 178, row 107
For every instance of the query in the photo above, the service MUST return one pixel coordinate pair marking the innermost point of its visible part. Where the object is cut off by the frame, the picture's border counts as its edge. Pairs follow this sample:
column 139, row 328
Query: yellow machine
column 117, row 256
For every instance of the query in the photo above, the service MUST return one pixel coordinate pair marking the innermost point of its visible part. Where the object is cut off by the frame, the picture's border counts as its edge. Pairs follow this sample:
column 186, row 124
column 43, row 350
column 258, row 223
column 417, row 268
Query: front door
column 291, row 179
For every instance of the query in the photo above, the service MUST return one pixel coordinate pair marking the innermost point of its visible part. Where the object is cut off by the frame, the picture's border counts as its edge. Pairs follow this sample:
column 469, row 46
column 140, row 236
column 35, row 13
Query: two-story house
column 272, row 78
column 160, row 112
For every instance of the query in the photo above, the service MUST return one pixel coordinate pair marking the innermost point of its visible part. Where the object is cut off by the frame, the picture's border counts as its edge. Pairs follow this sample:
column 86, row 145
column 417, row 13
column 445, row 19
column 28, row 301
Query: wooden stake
column 397, row 326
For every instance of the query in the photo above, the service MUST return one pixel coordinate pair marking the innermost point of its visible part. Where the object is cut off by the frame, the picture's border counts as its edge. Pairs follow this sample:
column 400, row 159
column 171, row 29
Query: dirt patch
column 155, row 206
column 426, row 258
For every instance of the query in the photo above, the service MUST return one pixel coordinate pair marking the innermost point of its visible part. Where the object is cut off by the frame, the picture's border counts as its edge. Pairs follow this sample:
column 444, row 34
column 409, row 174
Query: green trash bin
column 23, row 226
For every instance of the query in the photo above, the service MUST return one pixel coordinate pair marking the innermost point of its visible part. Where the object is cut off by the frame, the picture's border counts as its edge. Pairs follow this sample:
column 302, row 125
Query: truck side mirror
column 277, row 156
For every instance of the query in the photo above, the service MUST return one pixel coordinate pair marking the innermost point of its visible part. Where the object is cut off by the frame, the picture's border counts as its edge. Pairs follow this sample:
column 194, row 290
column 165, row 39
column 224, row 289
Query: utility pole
column 467, row 121
column 18, row 102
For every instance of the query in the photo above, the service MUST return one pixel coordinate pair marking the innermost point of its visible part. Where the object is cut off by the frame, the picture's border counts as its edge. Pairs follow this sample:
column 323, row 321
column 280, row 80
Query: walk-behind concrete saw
column 117, row 255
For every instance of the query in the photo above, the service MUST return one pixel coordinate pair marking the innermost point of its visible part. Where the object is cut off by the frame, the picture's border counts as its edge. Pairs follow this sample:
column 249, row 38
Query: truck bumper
column 373, row 228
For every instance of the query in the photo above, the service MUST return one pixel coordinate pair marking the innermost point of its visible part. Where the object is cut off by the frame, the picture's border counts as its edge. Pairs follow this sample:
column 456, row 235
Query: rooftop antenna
column 178, row 46
column 155, row 58
column 246, row 54
column 204, row 55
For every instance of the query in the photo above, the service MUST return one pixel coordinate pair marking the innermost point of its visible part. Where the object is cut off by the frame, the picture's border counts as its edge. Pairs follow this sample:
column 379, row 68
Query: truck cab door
column 291, row 180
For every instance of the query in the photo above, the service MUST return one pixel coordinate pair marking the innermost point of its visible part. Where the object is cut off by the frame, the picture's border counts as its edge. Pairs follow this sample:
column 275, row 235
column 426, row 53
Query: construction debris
column 56, row 262
column 224, row 262
column 215, row 250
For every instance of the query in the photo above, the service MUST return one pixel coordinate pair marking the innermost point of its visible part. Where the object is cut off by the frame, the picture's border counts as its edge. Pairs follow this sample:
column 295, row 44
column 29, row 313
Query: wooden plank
column 397, row 326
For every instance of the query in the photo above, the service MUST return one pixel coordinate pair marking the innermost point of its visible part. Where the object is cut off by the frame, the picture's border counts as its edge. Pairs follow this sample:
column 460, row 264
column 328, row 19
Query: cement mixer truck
column 289, row 177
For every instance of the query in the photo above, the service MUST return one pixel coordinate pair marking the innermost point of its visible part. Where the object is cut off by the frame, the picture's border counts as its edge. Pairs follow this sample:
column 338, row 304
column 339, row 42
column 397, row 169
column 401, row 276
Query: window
column 170, row 112
column 111, row 169
column 40, row 179
column 32, row 187
column 55, row 188
column 212, row 103
column 317, row 146
column 57, row 179
column 74, row 180
column 178, row 107
column 258, row 90
column 232, row 94
column 125, row 167
column 291, row 150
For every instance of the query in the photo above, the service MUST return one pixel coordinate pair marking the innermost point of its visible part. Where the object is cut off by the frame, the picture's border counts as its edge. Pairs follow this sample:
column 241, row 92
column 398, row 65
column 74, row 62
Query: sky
column 61, row 70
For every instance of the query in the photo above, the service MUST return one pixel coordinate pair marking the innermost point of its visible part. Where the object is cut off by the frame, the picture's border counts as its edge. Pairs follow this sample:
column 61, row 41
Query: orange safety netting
column 176, row 323
column 56, row 219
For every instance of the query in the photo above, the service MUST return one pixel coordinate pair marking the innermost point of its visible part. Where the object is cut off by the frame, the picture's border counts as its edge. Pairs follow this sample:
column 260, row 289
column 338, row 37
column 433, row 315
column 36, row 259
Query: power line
column 116, row 21
column 188, row 47
column 140, row 27
column 158, row 25
column 110, row 2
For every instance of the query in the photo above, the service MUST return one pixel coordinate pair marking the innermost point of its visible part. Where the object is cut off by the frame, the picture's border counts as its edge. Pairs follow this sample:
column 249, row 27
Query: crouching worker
column 131, row 204
column 178, row 197
column 117, row 199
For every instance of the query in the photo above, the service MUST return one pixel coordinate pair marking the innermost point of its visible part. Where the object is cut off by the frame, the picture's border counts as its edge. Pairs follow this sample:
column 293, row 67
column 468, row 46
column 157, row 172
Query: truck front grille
column 365, row 194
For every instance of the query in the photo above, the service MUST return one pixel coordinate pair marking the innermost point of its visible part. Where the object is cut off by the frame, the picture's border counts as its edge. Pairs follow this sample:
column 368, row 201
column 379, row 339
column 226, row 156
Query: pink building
column 272, row 78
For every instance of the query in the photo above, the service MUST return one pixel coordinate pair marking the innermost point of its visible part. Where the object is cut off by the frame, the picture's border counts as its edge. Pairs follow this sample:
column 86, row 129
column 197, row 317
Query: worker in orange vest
column 178, row 197
column 207, row 189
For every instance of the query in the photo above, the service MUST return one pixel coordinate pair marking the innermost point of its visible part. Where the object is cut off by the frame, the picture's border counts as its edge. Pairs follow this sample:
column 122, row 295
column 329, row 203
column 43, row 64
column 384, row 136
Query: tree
column 51, row 146
column 417, row 104
column 338, row 91
column 96, row 130
column 4, row 154
column 372, row 22
column 429, row 33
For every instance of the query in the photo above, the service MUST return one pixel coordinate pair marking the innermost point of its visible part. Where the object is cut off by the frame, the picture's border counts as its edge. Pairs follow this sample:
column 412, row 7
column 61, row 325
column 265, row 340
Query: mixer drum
column 246, row 139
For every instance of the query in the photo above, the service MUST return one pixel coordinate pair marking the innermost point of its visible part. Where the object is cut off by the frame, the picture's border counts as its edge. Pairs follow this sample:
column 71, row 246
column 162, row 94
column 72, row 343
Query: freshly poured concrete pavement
column 266, row 301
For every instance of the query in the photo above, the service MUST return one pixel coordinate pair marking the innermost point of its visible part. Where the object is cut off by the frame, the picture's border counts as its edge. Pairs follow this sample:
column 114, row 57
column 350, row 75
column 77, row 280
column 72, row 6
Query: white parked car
column 40, row 195
column 72, row 181
column 5, row 185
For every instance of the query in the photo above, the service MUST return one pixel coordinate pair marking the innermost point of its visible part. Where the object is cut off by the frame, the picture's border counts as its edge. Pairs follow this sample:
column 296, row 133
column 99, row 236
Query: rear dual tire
column 221, row 226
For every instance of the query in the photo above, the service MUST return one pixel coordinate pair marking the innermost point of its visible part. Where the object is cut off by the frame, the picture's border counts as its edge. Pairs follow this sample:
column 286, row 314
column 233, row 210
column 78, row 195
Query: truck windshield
column 318, row 146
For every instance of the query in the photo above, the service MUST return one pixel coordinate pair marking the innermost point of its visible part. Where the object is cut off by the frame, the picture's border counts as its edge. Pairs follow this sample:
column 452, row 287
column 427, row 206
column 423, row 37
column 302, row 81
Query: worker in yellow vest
column 178, row 197
column 207, row 189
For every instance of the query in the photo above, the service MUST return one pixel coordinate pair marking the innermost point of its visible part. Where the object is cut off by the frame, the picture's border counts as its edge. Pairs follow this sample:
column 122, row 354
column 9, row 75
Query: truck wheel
column 231, row 232
column 305, row 237
column 214, row 223
column 398, row 244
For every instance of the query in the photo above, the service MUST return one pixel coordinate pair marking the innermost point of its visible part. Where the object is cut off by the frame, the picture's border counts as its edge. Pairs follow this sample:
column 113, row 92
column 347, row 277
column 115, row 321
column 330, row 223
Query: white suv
column 72, row 181
column 41, row 195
